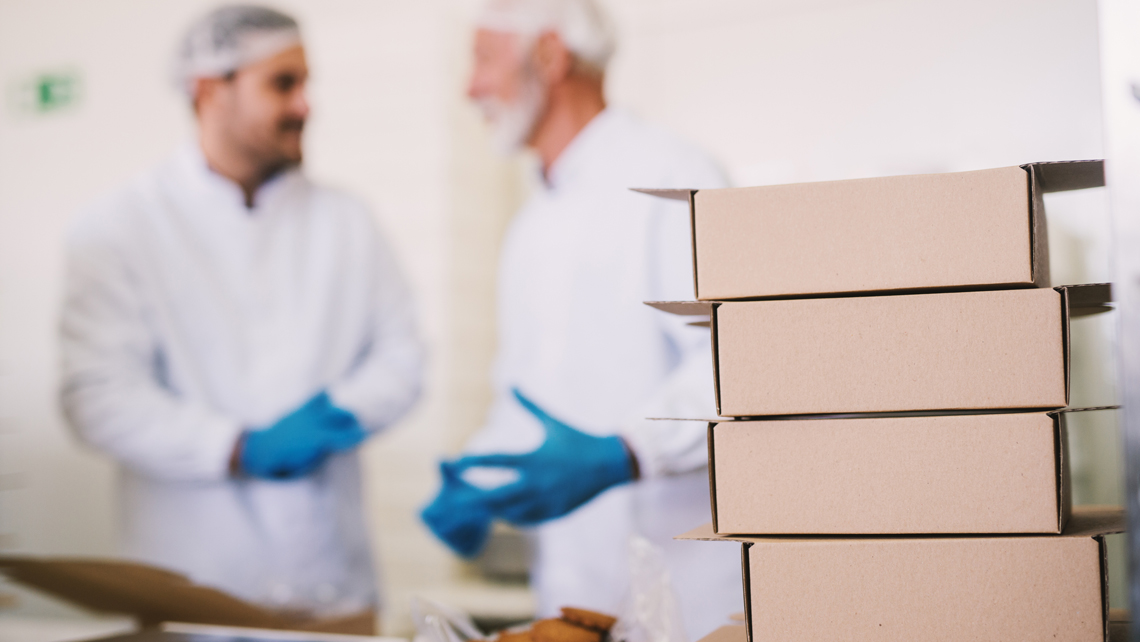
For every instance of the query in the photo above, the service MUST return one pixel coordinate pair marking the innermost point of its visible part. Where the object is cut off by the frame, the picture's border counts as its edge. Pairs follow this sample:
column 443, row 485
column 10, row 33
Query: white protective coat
column 578, row 262
column 188, row 318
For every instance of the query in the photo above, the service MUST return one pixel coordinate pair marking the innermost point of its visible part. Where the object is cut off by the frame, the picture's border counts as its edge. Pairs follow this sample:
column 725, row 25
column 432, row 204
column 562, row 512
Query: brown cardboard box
column 154, row 595
column 992, row 473
column 1117, row 631
column 989, row 350
column 969, row 589
column 967, row 230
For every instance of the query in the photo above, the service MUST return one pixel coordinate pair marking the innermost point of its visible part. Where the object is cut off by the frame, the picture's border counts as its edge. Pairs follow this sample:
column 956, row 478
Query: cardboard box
column 973, row 589
column 154, row 595
column 999, row 349
column 1119, row 621
column 968, row 230
column 993, row 473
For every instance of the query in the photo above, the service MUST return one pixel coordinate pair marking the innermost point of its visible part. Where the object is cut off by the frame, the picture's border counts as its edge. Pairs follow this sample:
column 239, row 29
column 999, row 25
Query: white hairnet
column 231, row 37
column 584, row 28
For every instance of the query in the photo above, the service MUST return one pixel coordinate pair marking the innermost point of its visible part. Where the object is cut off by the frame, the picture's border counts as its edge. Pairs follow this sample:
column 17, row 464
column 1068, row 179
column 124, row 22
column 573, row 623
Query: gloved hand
column 300, row 441
column 568, row 470
column 457, row 515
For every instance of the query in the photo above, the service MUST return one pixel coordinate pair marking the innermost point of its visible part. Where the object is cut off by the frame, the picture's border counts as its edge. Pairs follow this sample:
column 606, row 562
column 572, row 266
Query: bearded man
column 233, row 332
column 581, row 360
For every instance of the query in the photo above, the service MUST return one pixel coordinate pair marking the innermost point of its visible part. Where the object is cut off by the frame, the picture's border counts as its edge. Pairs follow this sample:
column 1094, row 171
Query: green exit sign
column 47, row 92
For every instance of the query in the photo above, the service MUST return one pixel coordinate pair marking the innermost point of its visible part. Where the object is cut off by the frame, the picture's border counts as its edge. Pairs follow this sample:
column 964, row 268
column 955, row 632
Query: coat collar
column 271, row 195
column 583, row 152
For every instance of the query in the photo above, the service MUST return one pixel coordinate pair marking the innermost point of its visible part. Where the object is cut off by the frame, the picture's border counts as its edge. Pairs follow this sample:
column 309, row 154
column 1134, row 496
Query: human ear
column 552, row 59
column 206, row 92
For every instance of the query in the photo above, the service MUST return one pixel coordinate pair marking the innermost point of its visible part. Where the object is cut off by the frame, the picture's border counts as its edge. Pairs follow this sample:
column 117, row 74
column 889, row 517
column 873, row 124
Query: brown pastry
column 556, row 630
column 514, row 636
column 588, row 619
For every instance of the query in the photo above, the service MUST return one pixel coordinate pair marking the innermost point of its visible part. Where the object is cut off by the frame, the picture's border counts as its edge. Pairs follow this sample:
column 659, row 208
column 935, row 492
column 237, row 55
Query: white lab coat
column 578, row 262
column 189, row 318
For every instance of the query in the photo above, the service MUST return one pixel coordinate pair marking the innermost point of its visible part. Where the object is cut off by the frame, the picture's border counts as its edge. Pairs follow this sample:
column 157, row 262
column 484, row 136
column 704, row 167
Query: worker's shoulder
column 114, row 214
column 343, row 210
column 656, row 157
column 337, row 200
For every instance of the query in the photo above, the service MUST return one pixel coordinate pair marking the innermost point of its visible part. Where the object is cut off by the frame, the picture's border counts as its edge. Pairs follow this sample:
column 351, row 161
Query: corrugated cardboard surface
column 967, row 229
column 945, row 474
column 1117, row 631
column 934, row 589
column 155, row 595
column 995, row 588
column 966, row 350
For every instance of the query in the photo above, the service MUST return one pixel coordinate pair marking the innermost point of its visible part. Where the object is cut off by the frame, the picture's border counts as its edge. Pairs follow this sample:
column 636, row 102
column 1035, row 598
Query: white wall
column 777, row 90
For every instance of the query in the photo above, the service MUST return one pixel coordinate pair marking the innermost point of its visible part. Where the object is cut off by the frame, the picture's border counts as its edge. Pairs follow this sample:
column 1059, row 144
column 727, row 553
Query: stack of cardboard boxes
column 892, row 370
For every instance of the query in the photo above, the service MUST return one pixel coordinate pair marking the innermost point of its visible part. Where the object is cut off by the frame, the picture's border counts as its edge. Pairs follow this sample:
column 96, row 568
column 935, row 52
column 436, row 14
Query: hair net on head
column 231, row 37
column 584, row 28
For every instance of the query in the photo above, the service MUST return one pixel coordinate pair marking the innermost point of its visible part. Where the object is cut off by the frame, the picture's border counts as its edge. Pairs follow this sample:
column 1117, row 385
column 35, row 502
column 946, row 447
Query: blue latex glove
column 458, row 515
column 300, row 441
column 568, row 470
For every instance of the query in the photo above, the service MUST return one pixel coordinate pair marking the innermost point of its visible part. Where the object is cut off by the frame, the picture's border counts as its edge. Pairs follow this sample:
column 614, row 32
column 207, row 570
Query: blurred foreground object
column 437, row 622
column 153, row 595
column 575, row 625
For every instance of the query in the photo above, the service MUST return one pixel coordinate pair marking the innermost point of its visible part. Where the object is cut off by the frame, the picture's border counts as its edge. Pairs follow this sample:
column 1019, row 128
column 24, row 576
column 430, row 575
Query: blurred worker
column 582, row 361
column 232, row 333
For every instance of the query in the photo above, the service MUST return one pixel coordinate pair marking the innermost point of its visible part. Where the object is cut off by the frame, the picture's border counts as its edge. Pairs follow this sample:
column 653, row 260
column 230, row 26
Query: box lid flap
column 1086, row 521
column 1083, row 299
column 1062, row 176
column 683, row 308
column 704, row 533
column 675, row 194
column 1087, row 298
column 1063, row 411
column 1089, row 521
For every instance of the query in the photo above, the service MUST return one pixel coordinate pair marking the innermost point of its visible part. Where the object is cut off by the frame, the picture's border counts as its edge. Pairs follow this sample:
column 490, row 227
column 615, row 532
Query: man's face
column 506, row 88
column 262, row 108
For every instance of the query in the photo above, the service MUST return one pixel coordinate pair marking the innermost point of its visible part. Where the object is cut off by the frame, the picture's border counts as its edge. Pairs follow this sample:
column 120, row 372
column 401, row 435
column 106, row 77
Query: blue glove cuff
column 616, row 462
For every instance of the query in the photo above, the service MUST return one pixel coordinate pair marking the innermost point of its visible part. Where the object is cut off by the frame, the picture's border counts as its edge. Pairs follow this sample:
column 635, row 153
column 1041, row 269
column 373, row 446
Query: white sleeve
column 110, row 388
column 676, row 447
column 387, row 378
